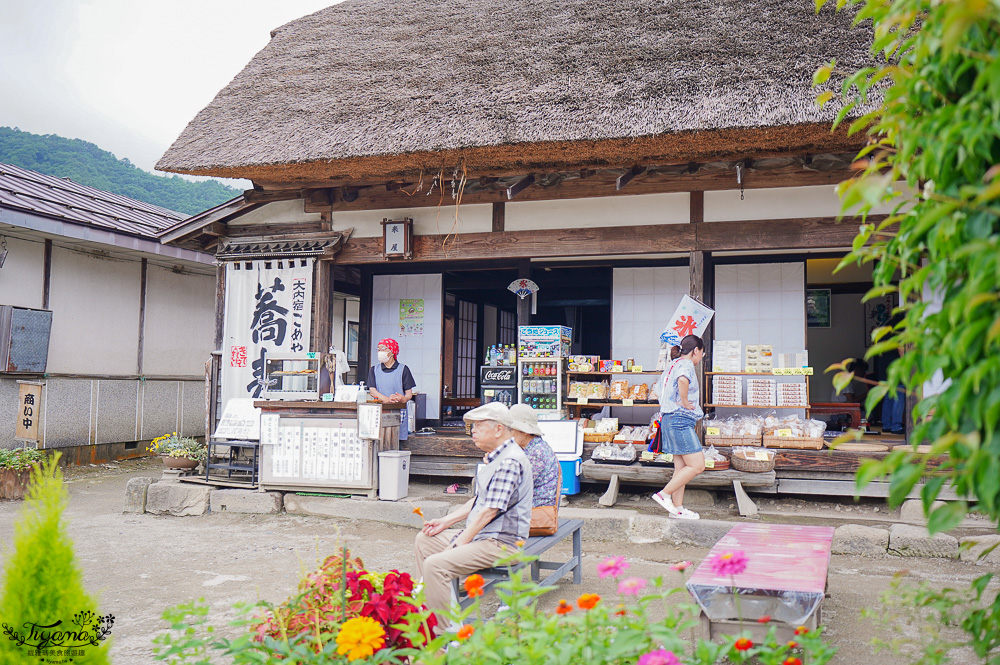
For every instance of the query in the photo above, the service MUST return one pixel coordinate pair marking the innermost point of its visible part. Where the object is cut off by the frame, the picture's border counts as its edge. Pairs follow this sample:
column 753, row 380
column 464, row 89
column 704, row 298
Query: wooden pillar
column 220, row 304
column 524, row 304
column 365, row 325
column 702, row 278
column 46, row 273
column 143, row 270
column 499, row 214
column 322, row 294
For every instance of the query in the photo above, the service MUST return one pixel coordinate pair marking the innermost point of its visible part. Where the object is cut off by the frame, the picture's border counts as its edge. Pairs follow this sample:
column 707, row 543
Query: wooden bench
column 785, row 579
column 535, row 546
column 659, row 475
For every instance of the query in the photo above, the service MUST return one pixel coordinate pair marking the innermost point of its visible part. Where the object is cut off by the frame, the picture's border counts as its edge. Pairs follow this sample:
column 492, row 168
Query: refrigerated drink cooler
column 541, row 368
column 498, row 384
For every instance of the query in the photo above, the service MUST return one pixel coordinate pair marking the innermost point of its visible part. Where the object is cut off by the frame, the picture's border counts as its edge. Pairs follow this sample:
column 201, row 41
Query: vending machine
column 498, row 384
column 541, row 367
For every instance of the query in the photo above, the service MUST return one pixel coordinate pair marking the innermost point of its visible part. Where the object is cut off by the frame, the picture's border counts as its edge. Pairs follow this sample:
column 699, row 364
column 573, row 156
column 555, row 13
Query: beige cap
column 524, row 419
column 494, row 411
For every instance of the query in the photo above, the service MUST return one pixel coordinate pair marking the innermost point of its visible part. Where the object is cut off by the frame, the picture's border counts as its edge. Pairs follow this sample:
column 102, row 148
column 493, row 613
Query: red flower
column 791, row 660
column 764, row 619
column 792, row 644
column 466, row 631
column 801, row 630
column 742, row 644
column 620, row 611
column 564, row 608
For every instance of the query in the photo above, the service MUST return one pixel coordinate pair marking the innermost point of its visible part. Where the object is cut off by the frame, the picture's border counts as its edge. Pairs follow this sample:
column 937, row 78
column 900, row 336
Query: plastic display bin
column 393, row 474
column 570, row 475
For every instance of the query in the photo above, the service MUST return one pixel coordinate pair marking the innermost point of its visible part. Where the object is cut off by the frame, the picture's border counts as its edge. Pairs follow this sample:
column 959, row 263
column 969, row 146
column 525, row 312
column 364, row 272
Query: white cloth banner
column 268, row 312
column 690, row 318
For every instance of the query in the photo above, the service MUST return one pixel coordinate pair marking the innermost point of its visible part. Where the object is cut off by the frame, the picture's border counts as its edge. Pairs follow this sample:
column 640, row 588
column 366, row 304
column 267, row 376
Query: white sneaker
column 685, row 514
column 666, row 503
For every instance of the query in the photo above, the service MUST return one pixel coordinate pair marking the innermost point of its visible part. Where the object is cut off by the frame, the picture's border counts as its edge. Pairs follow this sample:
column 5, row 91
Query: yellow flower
column 360, row 637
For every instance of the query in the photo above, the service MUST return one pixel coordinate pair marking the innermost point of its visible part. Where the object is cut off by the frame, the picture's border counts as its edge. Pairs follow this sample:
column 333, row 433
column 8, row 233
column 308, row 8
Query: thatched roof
column 373, row 88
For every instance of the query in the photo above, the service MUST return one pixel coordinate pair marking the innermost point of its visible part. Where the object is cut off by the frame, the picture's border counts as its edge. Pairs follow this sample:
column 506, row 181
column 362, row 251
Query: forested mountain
column 87, row 164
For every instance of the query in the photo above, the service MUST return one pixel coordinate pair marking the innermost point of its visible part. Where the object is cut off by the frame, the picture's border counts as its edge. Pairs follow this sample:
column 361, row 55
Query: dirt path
column 140, row 564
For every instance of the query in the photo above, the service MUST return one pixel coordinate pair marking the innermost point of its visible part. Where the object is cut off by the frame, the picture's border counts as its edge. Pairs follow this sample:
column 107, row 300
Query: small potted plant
column 15, row 470
column 178, row 452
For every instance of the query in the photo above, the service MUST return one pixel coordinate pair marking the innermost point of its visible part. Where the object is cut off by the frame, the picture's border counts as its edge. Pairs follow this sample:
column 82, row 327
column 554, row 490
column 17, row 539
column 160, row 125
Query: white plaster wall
column 95, row 320
column 778, row 203
column 180, row 322
column 421, row 354
column 279, row 212
column 762, row 304
column 472, row 218
column 636, row 210
column 23, row 273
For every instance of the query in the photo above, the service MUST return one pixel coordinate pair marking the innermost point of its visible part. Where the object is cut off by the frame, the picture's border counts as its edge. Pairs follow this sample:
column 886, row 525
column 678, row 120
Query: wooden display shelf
column 618, row 403
column 622, row 373
column 747, row 406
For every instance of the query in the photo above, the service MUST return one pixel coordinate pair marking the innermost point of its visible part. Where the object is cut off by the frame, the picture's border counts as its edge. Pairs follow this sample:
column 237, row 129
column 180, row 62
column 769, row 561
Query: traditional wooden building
column 620, row 153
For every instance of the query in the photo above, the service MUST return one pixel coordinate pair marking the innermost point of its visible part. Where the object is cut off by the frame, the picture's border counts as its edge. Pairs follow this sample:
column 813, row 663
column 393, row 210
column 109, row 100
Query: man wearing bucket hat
column 496, row 517
column 544, row 463
column 391, row 382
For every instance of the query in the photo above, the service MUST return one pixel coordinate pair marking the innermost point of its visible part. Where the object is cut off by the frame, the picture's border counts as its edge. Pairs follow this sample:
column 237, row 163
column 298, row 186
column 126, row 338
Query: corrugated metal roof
column 61, row 198
column 249, row 250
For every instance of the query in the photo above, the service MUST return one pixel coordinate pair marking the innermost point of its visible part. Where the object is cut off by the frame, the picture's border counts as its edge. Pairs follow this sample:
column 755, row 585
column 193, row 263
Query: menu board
column 315, row 452
column 369, row 420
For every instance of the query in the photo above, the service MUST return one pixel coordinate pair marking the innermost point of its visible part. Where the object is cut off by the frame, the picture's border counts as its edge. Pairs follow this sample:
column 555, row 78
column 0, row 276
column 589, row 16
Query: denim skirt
column 679, row 435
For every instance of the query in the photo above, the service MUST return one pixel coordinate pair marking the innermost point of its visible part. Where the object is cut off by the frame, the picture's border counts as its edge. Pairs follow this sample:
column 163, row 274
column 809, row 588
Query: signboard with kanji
column 690, row 318
column 29, row 411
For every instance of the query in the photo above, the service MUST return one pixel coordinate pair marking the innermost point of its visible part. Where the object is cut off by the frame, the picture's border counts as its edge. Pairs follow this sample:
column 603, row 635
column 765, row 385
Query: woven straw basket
column 740, row 462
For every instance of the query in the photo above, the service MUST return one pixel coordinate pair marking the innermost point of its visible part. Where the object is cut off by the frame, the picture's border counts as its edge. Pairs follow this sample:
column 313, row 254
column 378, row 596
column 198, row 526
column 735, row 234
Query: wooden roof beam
column 520, row 186
column 628, row 176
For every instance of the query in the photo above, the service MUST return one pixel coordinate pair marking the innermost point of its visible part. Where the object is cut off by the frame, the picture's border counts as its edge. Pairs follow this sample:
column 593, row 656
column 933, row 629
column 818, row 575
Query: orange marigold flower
column 417, row 511
column 519, row 543
column 587, row 601
column 475, row 581
column 564, row 607
column 742, row 644
column 465, row 632
column 791, row 660
column 764, row 619
column 801, row 630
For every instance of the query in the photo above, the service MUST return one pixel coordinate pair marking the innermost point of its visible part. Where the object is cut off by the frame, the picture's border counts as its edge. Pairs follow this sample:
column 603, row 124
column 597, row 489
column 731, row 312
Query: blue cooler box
column 570, row 475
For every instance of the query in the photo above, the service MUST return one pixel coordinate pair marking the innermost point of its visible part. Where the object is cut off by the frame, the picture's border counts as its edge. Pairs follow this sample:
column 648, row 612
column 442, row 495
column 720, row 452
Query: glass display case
column 292, row 377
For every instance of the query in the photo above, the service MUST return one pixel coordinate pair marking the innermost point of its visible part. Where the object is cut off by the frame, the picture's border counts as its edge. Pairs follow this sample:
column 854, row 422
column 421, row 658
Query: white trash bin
column 393, row 474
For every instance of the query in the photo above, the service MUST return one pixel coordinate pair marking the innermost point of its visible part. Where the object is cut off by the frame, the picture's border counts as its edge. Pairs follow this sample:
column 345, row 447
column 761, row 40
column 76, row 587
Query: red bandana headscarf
column 392, row 345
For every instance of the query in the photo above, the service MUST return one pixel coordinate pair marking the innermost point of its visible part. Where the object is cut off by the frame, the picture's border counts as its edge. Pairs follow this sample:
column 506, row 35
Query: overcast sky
column 127, row 75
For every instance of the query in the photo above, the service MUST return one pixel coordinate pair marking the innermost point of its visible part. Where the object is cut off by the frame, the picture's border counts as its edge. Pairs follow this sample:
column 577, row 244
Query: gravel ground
column 140, row 564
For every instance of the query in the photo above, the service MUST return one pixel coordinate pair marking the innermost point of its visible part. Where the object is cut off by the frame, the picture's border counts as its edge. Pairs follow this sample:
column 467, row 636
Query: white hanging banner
column 268, row 312
column 690, row 318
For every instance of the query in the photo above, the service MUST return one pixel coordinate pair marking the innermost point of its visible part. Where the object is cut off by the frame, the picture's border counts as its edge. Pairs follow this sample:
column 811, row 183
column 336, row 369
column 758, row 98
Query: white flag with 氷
column 690, row 318
column 268, row 312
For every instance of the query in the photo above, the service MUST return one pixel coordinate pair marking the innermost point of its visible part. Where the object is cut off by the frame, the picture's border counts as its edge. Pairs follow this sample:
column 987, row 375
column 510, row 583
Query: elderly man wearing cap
column 498, row 515
column 391, row 382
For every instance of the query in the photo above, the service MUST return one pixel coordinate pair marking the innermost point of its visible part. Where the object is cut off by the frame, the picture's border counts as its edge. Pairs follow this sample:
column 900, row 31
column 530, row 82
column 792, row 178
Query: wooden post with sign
column 29, row 411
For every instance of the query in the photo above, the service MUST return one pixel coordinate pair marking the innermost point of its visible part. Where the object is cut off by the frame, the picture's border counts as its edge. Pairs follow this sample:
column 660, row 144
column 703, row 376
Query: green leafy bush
column 44, row 604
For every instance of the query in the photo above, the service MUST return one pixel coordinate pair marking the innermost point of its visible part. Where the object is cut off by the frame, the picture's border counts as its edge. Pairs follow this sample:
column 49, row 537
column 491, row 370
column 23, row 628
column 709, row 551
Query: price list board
column 316, row 454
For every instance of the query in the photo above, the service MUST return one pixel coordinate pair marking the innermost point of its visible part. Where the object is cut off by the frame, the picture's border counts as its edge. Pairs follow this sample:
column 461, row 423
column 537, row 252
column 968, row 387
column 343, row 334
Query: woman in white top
column 680, row 410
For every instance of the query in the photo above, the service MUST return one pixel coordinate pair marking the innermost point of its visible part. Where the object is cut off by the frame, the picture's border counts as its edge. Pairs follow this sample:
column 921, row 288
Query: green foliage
column 933, row 123
column 87, row 164
column 43, row 584
column 20, row 459
column 932, row 626
column 174, row 445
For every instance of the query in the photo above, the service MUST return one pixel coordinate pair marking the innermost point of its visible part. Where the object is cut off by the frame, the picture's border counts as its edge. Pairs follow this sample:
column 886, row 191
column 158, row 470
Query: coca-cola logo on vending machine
column 495, row 375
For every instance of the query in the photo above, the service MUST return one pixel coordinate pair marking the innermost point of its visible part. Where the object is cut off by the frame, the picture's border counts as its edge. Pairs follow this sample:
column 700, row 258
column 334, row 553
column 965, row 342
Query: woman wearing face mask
column 391, row 382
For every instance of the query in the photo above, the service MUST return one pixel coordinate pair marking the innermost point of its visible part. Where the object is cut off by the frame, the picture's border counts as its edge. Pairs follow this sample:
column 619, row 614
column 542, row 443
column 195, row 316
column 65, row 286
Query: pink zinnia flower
column 659, row 657
column 681, row 566
column 631, row 586
column 613, row 566
column 730, row 563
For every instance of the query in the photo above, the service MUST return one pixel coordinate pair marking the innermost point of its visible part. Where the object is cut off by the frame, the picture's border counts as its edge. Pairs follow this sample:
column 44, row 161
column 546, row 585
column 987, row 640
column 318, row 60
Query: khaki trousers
column 439, row 563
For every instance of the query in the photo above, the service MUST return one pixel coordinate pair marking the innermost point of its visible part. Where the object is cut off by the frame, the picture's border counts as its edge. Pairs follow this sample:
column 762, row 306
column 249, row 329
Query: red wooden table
column 785, row 579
